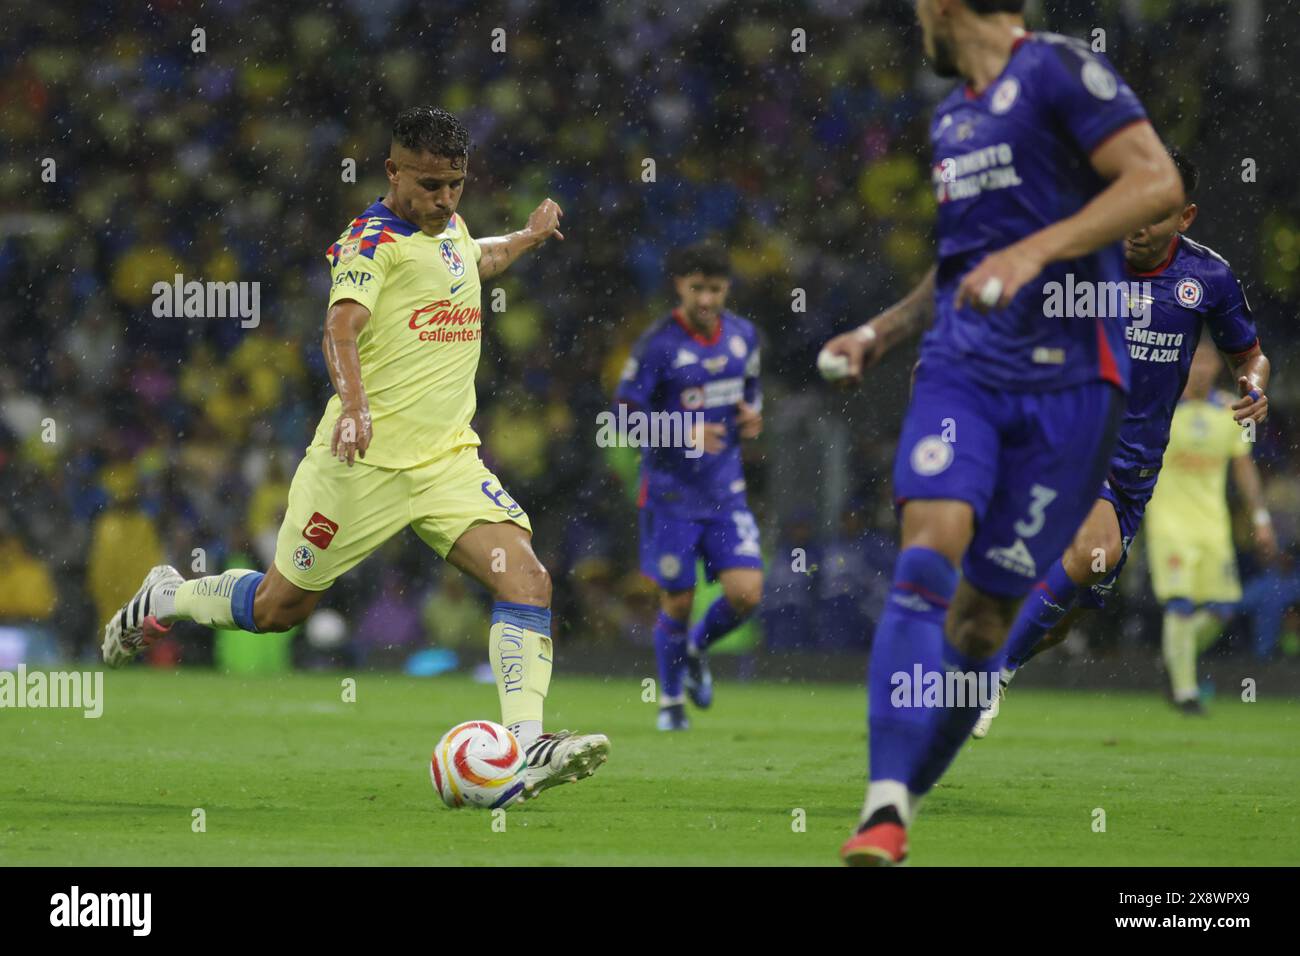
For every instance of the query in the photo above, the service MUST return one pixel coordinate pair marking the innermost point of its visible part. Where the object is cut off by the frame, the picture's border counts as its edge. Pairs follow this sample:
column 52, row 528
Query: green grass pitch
column 287, row 773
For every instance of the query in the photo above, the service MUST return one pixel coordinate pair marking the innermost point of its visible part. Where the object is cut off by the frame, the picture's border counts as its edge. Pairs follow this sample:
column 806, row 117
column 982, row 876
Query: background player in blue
column 1188, row 284
column 1042, row 160
column 703, row 361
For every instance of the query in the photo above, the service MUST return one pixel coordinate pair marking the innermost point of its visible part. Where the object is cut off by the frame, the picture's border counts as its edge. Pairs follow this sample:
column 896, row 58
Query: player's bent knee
column 528, row 585
column 1112, row 549
column 1091, row 558
column 745, row 602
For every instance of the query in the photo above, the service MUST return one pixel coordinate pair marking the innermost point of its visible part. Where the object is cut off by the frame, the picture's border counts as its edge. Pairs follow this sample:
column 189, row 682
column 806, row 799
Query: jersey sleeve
column 358, row 274
column 1089, row 98
column 639, row 382
column 1231, row 323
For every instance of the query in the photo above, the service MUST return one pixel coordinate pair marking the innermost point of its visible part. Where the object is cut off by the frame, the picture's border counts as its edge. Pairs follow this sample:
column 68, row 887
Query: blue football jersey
column 1194, row 285
column 673, row 369
column 1007, row 163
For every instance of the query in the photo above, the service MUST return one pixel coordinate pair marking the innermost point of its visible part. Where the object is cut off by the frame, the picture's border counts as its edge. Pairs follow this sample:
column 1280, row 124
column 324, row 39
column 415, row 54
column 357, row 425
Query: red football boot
column 884, row 844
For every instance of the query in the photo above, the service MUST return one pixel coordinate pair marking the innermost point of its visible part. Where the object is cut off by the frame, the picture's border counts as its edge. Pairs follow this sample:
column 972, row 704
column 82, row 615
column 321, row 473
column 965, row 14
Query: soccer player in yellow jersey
column 395, row 447
column 1188, row 527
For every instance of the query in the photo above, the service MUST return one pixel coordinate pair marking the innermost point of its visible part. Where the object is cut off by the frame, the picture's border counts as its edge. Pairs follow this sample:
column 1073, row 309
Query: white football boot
column 562, row 757
column 130, row 630
column 981, row 728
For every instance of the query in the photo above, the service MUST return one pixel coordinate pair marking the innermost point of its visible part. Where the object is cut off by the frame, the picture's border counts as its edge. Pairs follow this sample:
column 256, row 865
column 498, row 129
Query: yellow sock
column 521, row 661
column 208, row 600
column 1178, row 641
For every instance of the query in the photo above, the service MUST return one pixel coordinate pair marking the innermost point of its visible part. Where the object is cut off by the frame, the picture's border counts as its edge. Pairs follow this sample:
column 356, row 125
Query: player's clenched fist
column 352, row 434
column 995, row 281
column 845, row 357
column 545, row 221
column 1253, row 404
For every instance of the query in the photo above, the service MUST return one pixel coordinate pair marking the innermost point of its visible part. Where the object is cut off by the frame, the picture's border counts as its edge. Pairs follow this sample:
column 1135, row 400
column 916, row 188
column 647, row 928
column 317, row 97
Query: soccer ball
column 478, row 763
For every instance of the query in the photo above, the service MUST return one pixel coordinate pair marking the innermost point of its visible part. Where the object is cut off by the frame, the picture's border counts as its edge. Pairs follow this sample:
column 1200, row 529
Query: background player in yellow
column 1189, row 528
column 395, row 447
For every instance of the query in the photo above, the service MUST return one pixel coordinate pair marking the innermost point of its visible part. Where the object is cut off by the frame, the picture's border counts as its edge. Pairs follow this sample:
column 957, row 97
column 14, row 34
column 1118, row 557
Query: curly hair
column 434, row 130
column 706, row 258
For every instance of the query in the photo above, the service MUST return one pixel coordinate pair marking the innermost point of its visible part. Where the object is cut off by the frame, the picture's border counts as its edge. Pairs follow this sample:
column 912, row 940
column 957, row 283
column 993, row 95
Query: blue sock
column 1046, row 605
column 670, row 654
column 718, row 621
column 527, row 616
column 909, row 635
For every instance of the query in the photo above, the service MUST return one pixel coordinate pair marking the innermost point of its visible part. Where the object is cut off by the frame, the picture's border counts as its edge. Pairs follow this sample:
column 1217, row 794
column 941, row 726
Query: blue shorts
column 1129, row 498
column 1028, row 463
column 670, row 545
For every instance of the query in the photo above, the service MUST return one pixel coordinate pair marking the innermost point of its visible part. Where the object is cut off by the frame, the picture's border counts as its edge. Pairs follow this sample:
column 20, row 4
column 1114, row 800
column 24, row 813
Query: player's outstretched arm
column 500, row 251
column 1251, row 369
column 866, row 345
column 1144, row 188
column 343, row 323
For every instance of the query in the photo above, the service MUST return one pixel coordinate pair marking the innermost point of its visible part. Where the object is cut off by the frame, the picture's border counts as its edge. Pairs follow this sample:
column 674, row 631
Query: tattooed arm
column 905, row 319
column 498, row 252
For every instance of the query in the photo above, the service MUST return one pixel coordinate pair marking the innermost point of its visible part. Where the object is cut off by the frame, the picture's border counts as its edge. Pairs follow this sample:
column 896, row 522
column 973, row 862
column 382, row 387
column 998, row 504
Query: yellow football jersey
column 1191, row 496
column 420, row 350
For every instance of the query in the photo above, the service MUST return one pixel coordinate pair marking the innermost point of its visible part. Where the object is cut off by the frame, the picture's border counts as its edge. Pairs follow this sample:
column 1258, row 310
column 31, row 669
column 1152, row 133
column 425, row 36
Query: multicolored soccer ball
column 478, row 764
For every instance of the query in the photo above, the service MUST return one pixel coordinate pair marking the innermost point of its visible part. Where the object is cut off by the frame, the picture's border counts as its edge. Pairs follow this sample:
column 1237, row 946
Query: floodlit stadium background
column 171, row 435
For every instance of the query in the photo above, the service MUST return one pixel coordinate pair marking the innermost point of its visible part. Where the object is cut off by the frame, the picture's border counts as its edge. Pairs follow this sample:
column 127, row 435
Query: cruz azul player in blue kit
column 700, row 363
column 1042, row 161
column 1183, row 285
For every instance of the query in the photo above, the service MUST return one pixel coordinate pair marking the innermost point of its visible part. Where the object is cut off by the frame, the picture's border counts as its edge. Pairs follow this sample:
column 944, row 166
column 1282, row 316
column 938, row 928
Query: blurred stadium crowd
column 126, row 439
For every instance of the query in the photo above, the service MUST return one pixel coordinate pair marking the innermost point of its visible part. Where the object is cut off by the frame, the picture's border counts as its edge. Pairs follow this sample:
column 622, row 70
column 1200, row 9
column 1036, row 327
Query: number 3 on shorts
column 1042, row 497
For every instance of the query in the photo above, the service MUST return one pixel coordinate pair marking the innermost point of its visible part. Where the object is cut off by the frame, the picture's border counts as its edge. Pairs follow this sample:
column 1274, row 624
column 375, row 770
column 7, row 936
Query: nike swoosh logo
column 456, row 288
